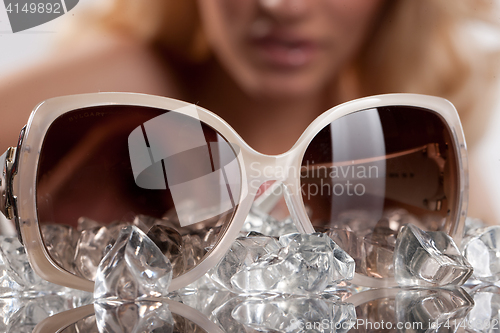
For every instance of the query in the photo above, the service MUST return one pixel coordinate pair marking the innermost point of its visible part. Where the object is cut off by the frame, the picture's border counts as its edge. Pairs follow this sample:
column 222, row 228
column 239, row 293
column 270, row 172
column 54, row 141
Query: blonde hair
column 426, row 47
column 417, row 46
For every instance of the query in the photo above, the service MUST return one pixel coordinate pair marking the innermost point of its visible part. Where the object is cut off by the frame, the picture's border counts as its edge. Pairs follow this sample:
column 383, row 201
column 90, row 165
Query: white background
column 25, row 47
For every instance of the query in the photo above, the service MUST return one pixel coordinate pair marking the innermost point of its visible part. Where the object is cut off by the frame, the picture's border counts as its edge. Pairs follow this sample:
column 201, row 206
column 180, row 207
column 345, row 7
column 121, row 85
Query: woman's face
column 286, row 48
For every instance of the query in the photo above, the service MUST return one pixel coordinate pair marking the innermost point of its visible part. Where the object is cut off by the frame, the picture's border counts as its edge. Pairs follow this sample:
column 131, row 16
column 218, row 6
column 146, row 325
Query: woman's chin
column 283, row 89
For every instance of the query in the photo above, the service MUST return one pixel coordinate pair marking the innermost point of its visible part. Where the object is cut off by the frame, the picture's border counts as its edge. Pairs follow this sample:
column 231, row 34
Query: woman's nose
column 287, row 9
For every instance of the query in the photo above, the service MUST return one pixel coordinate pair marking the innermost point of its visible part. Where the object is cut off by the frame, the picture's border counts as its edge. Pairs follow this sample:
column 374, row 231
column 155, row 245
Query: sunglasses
column 359, row 172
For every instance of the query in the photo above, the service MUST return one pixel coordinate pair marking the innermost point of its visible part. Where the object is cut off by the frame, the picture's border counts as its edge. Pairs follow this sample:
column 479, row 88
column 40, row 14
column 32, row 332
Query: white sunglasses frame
column 27, row 155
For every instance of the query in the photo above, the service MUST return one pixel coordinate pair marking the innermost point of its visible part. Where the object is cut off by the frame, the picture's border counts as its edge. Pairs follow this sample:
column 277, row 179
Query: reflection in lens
column 134, row 317
column 285, row 313
column 144, row 316
column 103, row 167
column 411, row 310
column 84, row 325
column 370, row 172
column 184, row 325
column 485, row 316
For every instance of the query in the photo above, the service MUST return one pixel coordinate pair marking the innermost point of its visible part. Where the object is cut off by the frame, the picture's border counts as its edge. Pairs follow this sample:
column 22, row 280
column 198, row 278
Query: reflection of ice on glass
column 171, row 152
column 359, row 136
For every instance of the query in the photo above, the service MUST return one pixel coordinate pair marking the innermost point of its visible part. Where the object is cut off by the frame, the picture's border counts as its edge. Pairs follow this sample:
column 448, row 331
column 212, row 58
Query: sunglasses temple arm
column 8, row 201
column 425, row 148
column 427, row 156
column 268, row 200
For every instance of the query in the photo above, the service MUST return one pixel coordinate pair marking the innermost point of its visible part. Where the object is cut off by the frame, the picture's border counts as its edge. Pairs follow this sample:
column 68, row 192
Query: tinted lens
column 101, row 167
column 368, row 173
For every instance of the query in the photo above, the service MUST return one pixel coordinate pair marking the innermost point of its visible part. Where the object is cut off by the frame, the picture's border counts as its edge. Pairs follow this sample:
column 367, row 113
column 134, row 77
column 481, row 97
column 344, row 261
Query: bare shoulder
column 107, row 65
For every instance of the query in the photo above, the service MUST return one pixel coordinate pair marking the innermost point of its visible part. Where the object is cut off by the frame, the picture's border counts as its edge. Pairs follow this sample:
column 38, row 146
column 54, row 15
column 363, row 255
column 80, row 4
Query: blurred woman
column 269, row 67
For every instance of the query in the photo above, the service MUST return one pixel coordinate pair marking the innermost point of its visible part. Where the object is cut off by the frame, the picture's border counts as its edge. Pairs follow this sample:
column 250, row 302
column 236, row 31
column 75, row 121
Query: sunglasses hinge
column 8, row 161
column 8, row 202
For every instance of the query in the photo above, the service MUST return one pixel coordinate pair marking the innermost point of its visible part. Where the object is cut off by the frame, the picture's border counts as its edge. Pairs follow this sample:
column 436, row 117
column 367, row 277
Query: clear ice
column 428, row 259
column 481, row 247
column 133, row 269
column 294, row 263
column 284, row 314
column 133, row 317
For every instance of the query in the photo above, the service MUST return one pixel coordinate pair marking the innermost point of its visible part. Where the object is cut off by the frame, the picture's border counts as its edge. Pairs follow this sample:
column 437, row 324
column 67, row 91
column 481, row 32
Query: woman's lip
column 286, row 52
